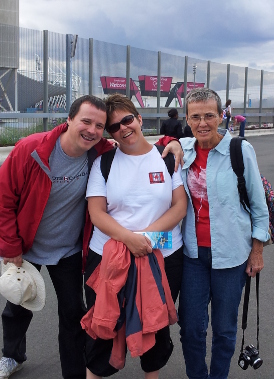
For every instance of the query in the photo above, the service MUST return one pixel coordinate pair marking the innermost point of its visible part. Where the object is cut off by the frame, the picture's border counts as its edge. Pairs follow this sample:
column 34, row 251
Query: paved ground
column 42, row 347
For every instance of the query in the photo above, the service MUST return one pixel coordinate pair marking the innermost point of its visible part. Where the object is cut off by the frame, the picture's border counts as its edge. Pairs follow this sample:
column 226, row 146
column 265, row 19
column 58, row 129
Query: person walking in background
column 227, row 112
column 239, row 120
column 215, row 264
column 42, row 213
column 172, row 127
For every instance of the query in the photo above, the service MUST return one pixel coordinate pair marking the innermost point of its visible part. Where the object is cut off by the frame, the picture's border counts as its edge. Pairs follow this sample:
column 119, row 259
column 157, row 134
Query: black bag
column 237, row 163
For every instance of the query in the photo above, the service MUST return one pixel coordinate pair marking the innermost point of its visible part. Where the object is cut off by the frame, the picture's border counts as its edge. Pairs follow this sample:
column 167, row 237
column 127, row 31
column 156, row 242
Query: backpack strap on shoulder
column 92, row 154
column 106, row 162
column 107, row 158
column 169, row 160
column 237, row 163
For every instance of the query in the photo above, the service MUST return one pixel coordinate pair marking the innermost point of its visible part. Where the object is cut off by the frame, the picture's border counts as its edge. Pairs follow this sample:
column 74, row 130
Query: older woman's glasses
column 208, row 117
column 113, row 128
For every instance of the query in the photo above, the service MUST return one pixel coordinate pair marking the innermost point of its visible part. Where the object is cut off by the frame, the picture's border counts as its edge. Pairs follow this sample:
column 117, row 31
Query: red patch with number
column 156, row 177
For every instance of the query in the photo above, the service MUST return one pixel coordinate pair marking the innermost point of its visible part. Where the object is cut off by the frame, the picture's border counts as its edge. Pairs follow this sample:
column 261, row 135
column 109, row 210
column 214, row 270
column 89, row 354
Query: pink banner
column 190, row 85
column 112, row 84
column 148, row 85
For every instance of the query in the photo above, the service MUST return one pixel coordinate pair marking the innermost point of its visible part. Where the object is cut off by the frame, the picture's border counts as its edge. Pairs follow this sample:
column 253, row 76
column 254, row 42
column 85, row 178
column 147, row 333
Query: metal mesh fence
column 109, row 62
column 102, row 68
column 253, row 87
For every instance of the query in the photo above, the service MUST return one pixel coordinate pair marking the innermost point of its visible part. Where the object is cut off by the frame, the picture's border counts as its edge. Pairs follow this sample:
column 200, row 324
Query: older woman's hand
column 255, row 262
column 114, row 143
column 175, row 148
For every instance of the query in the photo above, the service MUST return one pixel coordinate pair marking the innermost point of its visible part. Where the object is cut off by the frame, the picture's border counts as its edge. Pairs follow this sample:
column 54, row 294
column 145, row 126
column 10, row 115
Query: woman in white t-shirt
column 139, row 195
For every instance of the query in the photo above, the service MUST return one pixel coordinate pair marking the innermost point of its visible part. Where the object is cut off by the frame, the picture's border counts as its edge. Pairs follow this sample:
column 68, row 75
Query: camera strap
column 245, row 307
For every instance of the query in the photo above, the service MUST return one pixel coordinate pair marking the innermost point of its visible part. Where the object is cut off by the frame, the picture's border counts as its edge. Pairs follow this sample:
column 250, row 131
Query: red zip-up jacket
column 25, row 189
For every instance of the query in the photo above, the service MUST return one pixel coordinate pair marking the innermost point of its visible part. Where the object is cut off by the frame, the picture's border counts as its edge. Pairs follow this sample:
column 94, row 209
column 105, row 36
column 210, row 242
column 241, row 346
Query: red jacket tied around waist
column 133, row 301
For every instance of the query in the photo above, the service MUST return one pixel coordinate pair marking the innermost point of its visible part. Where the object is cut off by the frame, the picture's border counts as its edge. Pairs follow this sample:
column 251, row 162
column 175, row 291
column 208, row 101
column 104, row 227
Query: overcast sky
column 239, row 32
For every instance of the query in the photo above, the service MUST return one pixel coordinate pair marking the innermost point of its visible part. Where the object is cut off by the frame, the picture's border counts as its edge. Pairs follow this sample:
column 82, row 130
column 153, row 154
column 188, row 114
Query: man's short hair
column 93, row 100
column 202, row 95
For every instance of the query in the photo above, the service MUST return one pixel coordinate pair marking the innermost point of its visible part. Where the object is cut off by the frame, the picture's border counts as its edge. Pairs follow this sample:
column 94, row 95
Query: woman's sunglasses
column 127, row 120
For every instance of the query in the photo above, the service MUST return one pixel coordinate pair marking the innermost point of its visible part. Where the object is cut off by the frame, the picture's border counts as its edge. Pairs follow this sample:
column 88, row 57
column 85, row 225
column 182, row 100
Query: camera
column 250, row 357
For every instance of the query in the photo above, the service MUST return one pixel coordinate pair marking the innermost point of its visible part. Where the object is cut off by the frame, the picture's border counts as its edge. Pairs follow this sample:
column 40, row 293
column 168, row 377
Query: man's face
column 84, row 131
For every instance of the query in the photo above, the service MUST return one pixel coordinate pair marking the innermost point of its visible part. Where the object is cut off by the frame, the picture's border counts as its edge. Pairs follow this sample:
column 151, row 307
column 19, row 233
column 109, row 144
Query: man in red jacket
column 42, row 207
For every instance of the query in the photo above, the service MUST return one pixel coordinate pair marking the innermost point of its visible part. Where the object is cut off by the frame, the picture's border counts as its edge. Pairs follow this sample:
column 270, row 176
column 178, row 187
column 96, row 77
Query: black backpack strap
column 237, row 163
column 92, row 154
column 169, row 160
column 107, row 158
column 106, row 162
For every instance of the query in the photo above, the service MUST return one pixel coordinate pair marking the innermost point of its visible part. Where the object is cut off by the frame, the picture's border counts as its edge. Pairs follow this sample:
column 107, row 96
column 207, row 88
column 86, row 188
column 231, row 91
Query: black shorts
column 98, row 352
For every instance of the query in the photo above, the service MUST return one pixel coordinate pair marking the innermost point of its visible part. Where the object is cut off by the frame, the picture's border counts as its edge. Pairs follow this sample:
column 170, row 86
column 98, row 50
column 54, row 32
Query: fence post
column 245, row 88
column 208, row 75
column 227, row 81
column 158, row 91
column 45, row 78
column 128, row 72
column 15, row 90
column 185, row 89
column 90, row 67
column 68, row 71
column 261, row 97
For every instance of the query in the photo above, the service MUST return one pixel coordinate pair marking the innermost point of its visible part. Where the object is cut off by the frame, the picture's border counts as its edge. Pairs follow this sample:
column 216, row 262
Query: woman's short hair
column 118, row 102
column 203, row 95
column 172, row 113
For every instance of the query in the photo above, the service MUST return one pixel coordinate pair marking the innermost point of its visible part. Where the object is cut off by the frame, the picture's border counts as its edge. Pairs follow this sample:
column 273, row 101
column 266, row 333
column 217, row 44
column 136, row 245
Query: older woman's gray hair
column 203, row 94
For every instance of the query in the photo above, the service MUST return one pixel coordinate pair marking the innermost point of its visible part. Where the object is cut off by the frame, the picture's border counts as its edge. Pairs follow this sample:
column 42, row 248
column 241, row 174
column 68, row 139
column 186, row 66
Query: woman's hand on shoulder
column 175, row 148
column 113, row 142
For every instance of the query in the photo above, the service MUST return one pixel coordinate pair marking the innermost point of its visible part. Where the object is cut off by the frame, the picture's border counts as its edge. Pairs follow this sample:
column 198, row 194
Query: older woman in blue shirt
column 222, row 244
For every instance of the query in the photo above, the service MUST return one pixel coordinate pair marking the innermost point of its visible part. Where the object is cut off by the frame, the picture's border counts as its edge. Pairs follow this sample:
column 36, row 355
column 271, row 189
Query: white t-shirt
column 228, row 108
column 138, row 191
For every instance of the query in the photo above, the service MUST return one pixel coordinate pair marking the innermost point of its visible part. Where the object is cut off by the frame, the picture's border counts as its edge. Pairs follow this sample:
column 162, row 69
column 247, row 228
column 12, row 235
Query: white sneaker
column 8, row 366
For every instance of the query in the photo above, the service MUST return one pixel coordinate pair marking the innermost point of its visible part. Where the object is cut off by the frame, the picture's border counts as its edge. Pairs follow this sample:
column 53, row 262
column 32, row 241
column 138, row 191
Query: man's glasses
column 208, row 117
column 127, row 120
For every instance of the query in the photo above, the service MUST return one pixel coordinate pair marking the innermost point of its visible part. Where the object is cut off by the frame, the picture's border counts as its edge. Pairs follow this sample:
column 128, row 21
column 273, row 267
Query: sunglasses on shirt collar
column 127, row 120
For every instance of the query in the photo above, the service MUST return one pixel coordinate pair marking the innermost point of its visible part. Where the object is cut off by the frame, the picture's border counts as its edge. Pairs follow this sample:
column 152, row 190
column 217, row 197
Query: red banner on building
column 190, row 85
column 116, row 84
column 148, row 85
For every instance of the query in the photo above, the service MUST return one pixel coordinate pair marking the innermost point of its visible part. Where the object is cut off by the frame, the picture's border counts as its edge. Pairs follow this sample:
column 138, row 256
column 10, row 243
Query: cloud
column 237, row 32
